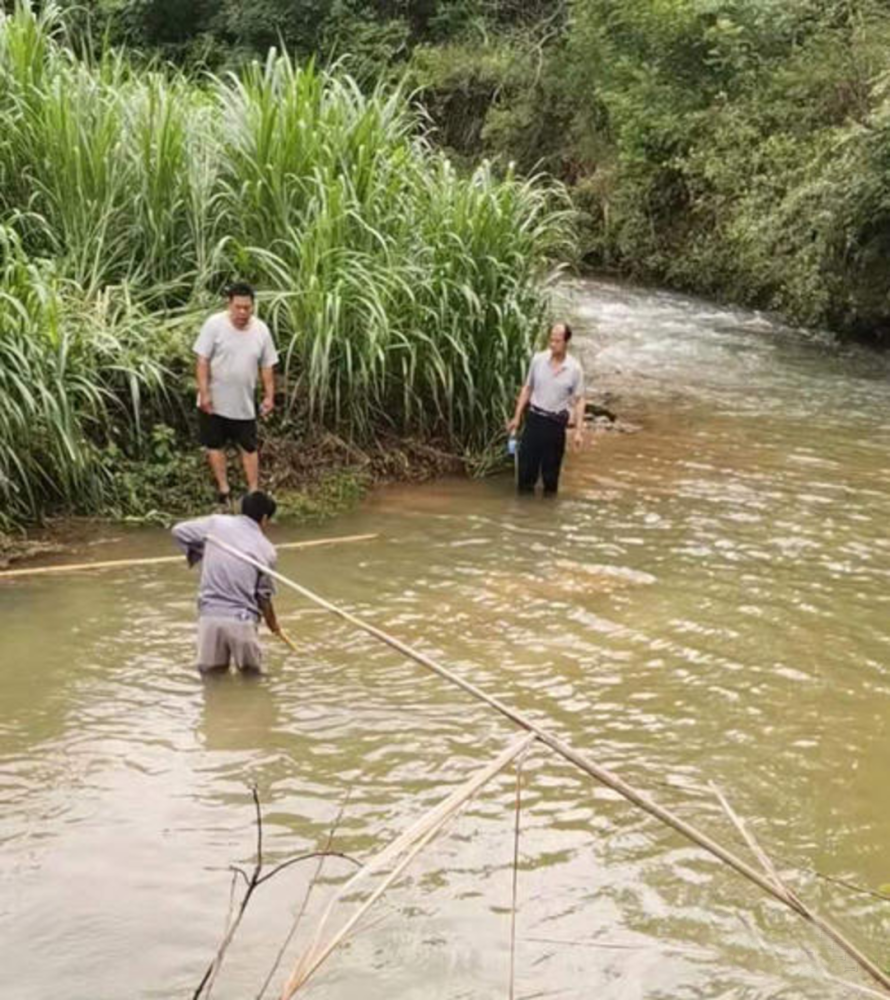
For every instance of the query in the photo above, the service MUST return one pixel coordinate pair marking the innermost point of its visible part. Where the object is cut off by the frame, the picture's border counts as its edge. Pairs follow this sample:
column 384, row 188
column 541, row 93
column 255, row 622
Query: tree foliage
column 734, row 147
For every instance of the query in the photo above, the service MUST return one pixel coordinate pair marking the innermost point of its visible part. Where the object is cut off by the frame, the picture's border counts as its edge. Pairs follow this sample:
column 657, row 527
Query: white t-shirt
column 235, row 357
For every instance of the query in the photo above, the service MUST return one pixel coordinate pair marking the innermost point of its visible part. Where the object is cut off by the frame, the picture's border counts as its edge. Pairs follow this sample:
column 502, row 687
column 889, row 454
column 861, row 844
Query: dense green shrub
column 734, row 147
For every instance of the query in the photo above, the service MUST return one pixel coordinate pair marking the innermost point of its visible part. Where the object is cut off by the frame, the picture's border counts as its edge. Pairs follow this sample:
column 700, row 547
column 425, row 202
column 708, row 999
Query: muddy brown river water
column 708, row 601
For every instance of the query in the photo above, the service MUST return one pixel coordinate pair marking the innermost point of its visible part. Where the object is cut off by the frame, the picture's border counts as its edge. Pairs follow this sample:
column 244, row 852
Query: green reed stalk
column 405, row 298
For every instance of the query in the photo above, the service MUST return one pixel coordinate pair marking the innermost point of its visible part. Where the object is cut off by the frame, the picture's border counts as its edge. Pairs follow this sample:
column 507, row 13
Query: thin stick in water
column 515, row 889
column 232, row 925
column 9, row 574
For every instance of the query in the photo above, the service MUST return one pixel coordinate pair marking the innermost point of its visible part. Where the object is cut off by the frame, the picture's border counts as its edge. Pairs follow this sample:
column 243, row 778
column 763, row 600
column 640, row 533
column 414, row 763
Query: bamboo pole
column 602, row 774
column 286, row 639
column 399, row 853
column 158, row 560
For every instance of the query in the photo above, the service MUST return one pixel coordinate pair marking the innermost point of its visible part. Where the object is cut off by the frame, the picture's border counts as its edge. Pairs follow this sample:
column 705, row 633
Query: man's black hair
column 241, row 288
column 568, row 331
column 258, row 505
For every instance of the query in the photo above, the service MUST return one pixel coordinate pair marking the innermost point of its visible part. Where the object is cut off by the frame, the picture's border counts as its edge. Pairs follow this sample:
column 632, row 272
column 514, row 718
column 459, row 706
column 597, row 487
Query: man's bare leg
column 251, row 462
column 217, row 461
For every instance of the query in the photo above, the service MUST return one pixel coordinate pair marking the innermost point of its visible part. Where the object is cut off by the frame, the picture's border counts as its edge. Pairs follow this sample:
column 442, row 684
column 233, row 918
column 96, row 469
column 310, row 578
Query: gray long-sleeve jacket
column 230, row 587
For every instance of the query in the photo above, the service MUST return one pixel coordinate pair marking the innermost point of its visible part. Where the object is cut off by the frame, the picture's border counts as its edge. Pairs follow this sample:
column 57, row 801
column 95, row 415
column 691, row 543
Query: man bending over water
column 232, row 594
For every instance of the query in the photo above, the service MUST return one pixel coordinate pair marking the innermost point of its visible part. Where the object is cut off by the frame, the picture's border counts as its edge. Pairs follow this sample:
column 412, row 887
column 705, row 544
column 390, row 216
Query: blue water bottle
column 511, row 445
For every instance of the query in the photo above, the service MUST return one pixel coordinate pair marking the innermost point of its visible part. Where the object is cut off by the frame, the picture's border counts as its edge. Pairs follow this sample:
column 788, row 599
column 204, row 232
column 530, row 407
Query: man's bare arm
column 202, row 374
column 525, row 394
column 269, row 616
column 268, row 403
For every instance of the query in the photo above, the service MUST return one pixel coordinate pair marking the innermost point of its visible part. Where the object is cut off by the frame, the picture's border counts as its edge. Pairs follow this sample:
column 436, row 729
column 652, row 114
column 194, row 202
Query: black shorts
column 214, row 432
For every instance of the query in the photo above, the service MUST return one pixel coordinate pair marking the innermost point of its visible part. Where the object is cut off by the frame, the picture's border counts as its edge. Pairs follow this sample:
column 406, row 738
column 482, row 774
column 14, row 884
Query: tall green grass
column 404, row 297
column 75, row 373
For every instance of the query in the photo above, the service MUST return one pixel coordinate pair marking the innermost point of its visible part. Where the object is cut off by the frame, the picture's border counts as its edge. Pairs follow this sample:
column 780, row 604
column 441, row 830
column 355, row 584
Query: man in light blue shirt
column 232, row 594
column 554, row 395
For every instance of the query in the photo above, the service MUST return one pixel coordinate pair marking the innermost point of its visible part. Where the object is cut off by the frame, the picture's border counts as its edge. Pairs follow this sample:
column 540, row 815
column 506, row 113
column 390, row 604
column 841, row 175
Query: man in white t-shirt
column 231, row 347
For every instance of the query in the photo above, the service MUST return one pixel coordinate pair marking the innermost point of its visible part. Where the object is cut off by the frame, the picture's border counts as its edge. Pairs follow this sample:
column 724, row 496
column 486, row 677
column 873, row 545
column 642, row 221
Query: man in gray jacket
column 232, row 594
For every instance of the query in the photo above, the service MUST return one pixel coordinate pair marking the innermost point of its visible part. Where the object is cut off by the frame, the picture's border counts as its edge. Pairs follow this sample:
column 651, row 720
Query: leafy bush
column 733, row 147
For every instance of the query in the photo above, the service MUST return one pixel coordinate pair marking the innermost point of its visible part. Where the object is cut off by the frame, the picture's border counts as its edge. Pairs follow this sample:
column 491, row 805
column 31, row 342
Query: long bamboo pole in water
column 157, row 560
column 602, row 774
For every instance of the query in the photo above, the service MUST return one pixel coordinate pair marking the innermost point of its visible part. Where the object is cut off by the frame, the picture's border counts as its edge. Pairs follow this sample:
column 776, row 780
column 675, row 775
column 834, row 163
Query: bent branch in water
column 256, row 879
column 316, row 875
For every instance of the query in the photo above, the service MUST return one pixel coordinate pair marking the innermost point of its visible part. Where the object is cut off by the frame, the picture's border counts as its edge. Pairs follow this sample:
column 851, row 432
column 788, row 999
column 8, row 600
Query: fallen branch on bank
column 597, row 771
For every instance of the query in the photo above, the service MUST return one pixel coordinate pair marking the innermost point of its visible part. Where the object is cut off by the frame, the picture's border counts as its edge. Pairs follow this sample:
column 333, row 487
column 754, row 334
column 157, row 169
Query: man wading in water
column 230, row 347
column 232, row 594
column 553, row 390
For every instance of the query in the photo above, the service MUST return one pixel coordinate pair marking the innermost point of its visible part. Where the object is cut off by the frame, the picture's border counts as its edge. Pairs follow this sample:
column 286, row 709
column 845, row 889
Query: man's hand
column 267, row 406
column 512, row 425
column 204, row 402
column 577, row 438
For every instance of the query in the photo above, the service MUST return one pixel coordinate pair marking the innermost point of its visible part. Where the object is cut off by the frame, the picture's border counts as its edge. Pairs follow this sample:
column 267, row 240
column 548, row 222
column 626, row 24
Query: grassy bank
column 404, row 298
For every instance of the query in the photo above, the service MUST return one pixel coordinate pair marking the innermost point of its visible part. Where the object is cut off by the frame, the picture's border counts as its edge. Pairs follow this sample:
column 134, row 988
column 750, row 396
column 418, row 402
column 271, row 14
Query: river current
column 706, row 607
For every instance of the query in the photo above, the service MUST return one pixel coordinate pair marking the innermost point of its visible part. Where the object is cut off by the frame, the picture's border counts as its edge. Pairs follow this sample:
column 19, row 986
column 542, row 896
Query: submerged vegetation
column 404, row 296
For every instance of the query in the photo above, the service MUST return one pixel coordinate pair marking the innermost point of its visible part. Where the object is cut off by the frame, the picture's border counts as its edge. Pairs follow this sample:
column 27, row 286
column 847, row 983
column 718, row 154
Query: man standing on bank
column 553, row 393
column 232, row 594
column 230, row 347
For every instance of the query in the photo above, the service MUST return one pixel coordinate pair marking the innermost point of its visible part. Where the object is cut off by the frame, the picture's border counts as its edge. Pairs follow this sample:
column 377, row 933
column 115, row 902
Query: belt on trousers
column 557, row 418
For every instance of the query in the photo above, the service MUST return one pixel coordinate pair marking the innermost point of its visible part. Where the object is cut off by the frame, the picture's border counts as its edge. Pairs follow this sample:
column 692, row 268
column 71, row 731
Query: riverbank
column 404, row 297
column 312, row 480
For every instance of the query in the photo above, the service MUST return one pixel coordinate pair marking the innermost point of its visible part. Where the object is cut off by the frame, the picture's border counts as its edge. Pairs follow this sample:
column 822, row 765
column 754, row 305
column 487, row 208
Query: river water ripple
column 707, row 602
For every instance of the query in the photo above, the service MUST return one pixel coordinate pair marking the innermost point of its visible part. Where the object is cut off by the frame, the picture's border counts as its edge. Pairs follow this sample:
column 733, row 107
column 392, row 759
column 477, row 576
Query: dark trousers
column 540, row 453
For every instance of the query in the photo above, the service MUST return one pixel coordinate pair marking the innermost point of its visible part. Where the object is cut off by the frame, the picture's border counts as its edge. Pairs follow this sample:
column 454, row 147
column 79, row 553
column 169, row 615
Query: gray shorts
column 222, row 641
